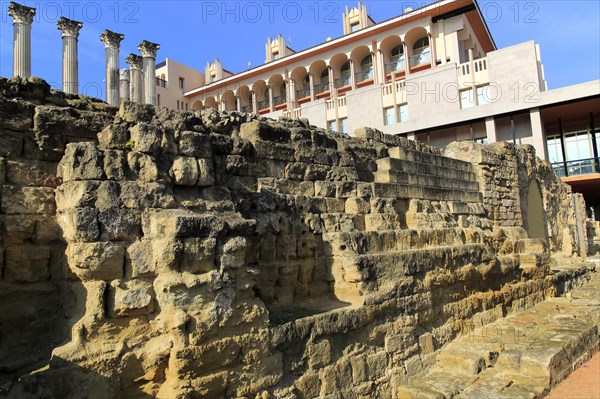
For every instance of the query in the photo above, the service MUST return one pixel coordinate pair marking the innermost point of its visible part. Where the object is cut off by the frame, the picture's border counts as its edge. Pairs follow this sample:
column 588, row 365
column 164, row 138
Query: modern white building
column 433, row 74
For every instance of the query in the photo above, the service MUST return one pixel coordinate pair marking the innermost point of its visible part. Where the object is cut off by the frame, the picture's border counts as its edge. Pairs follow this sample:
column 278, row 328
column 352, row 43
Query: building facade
column 432, row 74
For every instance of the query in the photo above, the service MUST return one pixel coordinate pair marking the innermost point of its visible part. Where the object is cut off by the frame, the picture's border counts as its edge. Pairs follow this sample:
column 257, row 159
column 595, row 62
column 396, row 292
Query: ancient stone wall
column 35, row 125
column 225, row 255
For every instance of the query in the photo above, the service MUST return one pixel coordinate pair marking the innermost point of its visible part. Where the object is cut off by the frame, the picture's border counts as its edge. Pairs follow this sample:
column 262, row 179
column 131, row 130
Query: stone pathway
column 520, row 356
column 583, row 383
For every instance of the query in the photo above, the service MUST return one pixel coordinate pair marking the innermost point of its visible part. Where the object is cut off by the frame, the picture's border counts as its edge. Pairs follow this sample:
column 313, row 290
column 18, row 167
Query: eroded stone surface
column 226, row 255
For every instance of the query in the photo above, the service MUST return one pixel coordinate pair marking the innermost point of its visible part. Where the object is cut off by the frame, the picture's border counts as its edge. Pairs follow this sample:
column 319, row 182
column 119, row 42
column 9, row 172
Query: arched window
column 325, row 76
column 421, row 52
column 397, row 53
column 366, row 67
column 345, row 69
column 306, row 80
column 282, row 93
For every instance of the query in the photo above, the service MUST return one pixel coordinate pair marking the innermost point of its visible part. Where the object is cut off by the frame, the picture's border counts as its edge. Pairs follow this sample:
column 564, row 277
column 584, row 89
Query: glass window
column 578, row 146
column 421, row 51
column 181, row 83
column 276, row 56
column 158, row 99
column 213, row 78
column 344, row 126
column 403, row 113
column 186, row 106
column 483, row 95
column 482, row 140
column 396, row 53
column 345, row 68
column 466, row 99
column 332, row 125
column 355, row 27
column 389, row 117
column 554, row 150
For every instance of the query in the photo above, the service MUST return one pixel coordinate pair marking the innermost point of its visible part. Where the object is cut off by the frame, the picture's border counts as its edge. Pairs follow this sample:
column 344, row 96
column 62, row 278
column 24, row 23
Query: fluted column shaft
column 135, row 78
column 70, row 34
column 22, row 19
column 112, row 42
column 148, row 50
column 124, row 85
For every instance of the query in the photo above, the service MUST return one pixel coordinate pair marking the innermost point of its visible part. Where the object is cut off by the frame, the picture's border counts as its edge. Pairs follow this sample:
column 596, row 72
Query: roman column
column 70, row 32
column 22, row 19
column 148, row 50
column 112, row 42
column 124, row 84
column 135, row 78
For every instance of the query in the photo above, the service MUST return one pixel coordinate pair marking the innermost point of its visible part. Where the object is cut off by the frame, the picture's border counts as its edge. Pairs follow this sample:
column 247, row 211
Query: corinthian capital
column 148, row 49
column 134, row 61
column 69, row 27
column 111, row 39
column 20, row 13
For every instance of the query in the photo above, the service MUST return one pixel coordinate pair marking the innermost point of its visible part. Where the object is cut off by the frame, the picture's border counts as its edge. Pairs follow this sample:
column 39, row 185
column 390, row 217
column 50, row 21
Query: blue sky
column 194, row 32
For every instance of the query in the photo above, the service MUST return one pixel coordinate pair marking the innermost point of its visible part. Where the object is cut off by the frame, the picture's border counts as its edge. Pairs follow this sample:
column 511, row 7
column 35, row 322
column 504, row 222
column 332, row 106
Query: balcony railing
column 321, row 87
column 303, row 92
column 343, row 81
column 263, row 104
column 394, row 66
column 422, row 58
column 578, row 167
column 279, row 100
column 161, row 82
column 247, row 108
column 364, row 75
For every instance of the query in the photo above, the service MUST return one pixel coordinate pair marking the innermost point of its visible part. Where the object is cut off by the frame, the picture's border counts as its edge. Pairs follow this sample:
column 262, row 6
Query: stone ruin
column 147, row 252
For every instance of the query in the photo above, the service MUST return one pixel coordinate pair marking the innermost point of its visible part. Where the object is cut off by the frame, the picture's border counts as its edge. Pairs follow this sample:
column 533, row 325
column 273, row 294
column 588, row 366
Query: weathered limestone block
column 51, row 122
column 198, row 255
column 76, row 194
column 206, row 172
column 79, row 225
column 11, row 143
column 319, row 354
column 137, row 195
column 97, row 260
column 308, row 386
column 185, row 171
column 150, row 257
column 27, row 200
column 215, row 355
column 17, row 228
column 144, row 166
column 114, row 164
column 357, row 206
column 146, row 138
column 130, row 298
column 82, row 161
column 31, row 173
column 27, row 263
column 119, row 224
column 16, row 115
column 180, row 224
column 136, row 112
column 195, row 144
column 257, row 130
column 115, row 136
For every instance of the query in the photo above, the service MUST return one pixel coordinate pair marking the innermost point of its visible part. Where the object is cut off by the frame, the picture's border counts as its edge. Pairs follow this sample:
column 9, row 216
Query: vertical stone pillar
column 254, row 102
column 70, row 33
column 124, row 85
column 148, row 50
column 353, row 75
column 22, row 19
column 490, row 129
column 112, row 42
column 311, row 83
column 406, row 59
column 271, row 98
column 238, row 104
column 135, row 78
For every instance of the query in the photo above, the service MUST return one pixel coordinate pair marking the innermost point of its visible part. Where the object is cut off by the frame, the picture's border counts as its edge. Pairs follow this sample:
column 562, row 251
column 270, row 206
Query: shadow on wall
column 535, row 222
column 68, row 381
